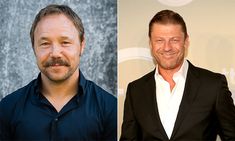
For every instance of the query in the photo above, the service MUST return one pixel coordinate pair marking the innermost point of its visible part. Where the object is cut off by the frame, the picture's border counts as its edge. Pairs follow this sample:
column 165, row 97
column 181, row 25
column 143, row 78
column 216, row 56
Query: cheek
column 72, row 50
column 155, row 49
column 41, row 55
column 181, row 49
column 72, row 54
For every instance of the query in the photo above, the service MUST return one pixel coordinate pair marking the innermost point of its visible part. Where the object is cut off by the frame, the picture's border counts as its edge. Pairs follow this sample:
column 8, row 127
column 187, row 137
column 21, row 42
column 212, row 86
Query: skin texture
column 57, row 48
column 168, row 46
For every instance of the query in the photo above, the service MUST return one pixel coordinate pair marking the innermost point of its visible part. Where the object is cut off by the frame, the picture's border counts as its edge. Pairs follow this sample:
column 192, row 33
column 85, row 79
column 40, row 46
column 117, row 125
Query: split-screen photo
column 117, row 70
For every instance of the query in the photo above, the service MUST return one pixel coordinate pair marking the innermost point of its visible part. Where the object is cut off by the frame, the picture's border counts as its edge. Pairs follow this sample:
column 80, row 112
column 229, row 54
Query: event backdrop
column 211, row 30
column 17, row 62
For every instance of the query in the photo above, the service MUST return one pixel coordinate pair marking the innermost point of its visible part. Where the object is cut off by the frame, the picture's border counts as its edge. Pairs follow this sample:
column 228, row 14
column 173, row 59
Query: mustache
column 56, row 61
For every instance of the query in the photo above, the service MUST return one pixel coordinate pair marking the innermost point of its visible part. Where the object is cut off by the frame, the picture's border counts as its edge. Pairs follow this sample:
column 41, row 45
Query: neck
column 168, row 74
column 59, row 93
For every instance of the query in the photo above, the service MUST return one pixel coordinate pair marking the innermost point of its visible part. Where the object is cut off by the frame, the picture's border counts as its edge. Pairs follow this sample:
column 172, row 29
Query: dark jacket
column 206, row 109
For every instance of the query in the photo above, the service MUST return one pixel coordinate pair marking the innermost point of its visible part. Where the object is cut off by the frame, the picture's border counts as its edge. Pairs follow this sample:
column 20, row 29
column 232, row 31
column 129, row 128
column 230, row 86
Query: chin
column 169, row 66
column 57, row 77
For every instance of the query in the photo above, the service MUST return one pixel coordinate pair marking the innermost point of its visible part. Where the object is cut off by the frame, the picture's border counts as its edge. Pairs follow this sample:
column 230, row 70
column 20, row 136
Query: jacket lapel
column 191, row 86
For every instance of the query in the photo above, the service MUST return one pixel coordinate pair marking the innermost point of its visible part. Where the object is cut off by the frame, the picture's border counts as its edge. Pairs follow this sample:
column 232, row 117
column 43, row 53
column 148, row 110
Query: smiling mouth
column 168, row 55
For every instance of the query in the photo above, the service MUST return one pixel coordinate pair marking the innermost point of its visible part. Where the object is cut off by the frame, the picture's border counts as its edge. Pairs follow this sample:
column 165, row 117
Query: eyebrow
column 65, row 37
column 43, row 38
column 62, row 37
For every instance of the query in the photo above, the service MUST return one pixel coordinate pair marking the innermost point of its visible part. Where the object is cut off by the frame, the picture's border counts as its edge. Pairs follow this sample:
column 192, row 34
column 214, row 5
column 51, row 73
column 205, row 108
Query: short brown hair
column 168, row 17
column 58, row 9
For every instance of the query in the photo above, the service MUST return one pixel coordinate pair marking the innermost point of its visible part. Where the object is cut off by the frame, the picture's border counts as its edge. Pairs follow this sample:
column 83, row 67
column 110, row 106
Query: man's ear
column 187, row 42
column 150, row 45
column 82, row 46
column 186, row 45
column 151, row 51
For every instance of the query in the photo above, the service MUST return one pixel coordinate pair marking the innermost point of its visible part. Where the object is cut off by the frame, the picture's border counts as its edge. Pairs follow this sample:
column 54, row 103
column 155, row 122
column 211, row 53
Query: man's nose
column 56, row 51
column 167, row 46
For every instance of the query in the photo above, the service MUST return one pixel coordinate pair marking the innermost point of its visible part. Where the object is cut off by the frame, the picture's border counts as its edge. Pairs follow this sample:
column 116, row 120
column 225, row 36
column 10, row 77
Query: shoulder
column 206, row 74
column 143, row 82
column 13, row 97
column 94, row 90
column 141, row 88
column 19, row 93
column 101, row 99
column 9, row 102
column 144, row 79
column 210, row 82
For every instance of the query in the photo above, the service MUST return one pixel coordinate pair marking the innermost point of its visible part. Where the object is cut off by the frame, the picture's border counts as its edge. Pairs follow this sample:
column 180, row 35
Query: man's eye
column 159, row 41
column 45, row 44
column 175, row 40
column 65, row 43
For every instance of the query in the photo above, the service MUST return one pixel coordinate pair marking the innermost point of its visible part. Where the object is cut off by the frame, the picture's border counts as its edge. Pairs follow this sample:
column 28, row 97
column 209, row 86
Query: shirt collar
column 181, row 73
column 82, row 83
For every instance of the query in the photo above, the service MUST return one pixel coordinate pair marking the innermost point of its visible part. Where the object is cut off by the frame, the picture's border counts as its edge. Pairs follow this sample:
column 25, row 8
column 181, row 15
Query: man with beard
column 60, row 104
column 177, row 101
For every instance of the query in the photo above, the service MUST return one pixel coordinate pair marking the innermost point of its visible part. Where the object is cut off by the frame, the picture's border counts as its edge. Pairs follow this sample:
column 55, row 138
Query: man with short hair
column 60, row 104
column 177, row 101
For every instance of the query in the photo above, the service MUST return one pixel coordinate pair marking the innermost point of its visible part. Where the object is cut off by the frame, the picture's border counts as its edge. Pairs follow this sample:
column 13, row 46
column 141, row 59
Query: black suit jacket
column 206, row 109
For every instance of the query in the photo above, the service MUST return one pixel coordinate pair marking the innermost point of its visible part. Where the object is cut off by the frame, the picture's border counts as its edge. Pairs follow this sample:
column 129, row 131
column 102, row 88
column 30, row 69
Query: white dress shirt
column 168, row 101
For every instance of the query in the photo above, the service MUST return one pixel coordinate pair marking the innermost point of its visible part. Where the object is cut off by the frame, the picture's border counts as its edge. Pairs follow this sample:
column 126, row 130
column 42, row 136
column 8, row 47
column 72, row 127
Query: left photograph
column 58, row 70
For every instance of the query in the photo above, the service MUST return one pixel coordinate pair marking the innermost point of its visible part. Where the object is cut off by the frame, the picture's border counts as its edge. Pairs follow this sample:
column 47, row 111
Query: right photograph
column 176, row 70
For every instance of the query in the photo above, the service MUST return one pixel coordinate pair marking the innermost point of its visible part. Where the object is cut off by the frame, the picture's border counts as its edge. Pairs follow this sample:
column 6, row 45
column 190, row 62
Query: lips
column 168, row 55
column 56, row 65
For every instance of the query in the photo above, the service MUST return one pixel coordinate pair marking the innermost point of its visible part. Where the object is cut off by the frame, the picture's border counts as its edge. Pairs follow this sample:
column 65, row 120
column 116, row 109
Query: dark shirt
column 90, row 115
